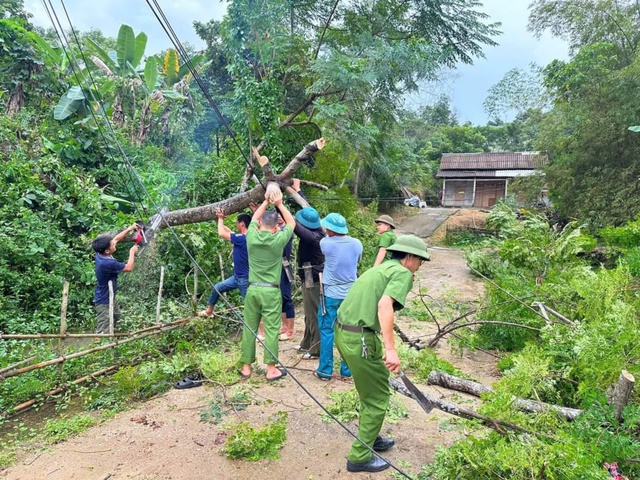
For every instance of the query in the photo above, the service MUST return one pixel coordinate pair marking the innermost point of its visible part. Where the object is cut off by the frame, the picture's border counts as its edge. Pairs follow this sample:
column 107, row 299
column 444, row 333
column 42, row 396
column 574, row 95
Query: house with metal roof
column 480, row 179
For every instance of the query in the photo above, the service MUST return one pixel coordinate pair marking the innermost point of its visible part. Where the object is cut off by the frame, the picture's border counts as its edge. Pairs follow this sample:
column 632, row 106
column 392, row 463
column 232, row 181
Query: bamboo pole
column 194, row 298
column 111, row 308
column 16, row 365
column 159, row 295
column 55, row 391
column 82, row 353
column 221, row 267
column 33, row 336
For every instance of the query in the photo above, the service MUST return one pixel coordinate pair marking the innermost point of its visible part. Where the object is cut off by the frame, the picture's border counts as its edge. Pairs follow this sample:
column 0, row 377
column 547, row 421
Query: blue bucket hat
column 308, row 217
column 336, row 223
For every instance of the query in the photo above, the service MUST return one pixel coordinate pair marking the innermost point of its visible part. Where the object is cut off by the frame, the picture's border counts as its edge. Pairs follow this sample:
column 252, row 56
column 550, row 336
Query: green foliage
column 495, row 456
column 221, row 406
column 257, row 443
column 220, row 365
column 346, row 406
column 423, row 362
column 59, row 430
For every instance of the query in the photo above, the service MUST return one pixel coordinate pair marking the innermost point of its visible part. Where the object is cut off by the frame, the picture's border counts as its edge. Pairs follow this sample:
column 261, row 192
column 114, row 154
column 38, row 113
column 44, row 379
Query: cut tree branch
column 477, row 389
column 462, row 412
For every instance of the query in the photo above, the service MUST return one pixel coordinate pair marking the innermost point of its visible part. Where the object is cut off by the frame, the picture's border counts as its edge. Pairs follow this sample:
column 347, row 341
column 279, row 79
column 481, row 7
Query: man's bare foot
column 245, row 371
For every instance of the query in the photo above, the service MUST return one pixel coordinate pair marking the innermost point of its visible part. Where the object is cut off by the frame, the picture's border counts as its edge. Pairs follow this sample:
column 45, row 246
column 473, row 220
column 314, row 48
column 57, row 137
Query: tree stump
column 619, row 393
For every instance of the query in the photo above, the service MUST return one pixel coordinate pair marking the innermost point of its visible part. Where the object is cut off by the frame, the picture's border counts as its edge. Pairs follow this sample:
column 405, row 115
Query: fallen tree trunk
column 477, row 389
column 499, row 426
column 242, row 200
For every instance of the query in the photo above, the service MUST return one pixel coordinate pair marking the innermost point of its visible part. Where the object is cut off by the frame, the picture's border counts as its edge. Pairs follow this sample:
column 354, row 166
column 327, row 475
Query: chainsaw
column 139, row 237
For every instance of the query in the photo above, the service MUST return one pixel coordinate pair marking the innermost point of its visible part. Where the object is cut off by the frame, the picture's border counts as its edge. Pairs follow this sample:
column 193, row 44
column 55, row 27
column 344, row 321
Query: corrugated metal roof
column 465, row 173
column 484, row 173
column 492, row 161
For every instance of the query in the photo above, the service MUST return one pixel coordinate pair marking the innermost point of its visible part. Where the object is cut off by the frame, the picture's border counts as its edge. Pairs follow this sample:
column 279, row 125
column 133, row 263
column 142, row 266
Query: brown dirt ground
column 164, row 438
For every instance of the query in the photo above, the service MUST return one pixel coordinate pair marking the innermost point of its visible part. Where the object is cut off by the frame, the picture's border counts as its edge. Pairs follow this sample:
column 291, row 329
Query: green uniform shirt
column 361, row 305
column 265, row 253
column 386, row 239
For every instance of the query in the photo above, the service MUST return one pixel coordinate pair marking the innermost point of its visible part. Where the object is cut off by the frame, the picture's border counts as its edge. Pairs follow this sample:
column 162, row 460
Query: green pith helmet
column 386, row 219
column 410, row 244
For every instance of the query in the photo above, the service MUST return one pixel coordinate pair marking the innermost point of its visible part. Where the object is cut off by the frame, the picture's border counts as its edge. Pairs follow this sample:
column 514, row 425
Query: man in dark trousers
column 368, row 311
column 310, row 265
column 240, row 278
column 107, row 270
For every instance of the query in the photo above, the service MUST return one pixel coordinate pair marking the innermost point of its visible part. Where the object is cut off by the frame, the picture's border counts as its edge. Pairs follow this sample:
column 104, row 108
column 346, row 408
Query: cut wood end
column 263, row 160
column 628, row 376
column 320, row 143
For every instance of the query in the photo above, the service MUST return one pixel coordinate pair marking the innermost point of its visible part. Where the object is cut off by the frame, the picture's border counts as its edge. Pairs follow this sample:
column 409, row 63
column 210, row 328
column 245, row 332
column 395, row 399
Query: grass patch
column 220, row 406
column 59, row 430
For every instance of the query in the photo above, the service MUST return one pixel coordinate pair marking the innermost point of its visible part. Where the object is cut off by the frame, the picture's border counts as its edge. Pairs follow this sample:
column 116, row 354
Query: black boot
column 374, row 464
column 383, row 444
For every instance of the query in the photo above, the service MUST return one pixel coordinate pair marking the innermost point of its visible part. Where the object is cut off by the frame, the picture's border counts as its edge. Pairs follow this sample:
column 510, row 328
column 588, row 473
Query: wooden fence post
column 194, row 299
column 159, row 295
column 111, row 308
column 221, row 267
column 63, row 323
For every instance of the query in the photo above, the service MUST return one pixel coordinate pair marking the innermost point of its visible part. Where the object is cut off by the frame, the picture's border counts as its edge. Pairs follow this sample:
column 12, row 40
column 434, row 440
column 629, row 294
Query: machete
column 419, row 397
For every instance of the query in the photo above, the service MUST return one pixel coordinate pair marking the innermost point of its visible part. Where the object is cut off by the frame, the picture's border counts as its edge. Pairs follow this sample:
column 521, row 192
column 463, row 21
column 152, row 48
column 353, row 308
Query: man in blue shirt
column 341, row 256
column 107, row 270
column 240, row 278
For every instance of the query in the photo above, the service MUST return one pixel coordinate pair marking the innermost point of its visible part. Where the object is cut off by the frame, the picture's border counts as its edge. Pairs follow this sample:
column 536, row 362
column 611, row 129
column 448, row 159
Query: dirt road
column 164, row 437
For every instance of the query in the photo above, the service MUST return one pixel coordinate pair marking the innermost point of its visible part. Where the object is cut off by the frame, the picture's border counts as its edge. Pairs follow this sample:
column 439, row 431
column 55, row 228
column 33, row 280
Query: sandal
column 243, row 375
column 189, row 381
column 284, row 337
column 283, row 373
column 204, row 313
column 309, row 356
column 321, row 376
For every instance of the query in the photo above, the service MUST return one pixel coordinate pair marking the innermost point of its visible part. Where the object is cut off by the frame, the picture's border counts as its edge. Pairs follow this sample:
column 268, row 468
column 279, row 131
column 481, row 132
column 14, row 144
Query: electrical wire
column 166, row 26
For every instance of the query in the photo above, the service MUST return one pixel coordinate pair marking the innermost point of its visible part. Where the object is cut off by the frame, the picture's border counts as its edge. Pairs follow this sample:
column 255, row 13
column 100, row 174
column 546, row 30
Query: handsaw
column 423, row 401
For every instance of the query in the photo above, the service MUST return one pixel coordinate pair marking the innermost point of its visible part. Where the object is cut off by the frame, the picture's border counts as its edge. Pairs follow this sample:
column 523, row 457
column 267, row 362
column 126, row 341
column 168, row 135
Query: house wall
column 460, row 192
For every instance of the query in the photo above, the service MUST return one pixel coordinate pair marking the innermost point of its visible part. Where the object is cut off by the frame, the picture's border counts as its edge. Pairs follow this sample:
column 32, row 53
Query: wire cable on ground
column 190, row 256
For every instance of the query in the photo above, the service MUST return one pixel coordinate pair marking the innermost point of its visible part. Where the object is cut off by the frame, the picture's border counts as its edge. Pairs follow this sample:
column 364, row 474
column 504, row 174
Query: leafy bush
column 346, row 407
column 255, row 444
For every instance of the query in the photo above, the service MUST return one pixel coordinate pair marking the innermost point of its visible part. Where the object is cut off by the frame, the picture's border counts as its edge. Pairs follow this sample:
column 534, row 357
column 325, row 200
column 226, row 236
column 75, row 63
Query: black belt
column 354, row 328
column 264, row 284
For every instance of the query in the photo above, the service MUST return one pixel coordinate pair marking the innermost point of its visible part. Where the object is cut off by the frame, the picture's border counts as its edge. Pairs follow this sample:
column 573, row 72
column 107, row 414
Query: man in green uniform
column 385, row 227
column 265, row 243
column 368, row 310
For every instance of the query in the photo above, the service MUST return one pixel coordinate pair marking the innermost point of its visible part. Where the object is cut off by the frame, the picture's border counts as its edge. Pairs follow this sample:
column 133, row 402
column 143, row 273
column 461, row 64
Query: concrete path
column 425, row 221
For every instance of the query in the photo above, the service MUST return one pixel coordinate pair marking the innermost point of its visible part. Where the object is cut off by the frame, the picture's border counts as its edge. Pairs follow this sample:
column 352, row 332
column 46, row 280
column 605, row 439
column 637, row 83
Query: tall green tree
column 297, row 70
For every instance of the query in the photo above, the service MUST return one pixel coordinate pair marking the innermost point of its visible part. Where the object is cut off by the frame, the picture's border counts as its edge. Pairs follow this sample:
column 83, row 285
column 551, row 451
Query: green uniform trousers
column 372, row 383
column 265, row 303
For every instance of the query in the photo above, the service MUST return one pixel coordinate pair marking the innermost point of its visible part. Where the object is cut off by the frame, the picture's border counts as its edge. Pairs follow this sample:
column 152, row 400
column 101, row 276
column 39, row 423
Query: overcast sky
column 467, row 86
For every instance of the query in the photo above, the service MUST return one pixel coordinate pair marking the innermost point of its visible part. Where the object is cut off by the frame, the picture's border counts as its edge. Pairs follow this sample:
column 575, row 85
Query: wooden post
column 619, row 393
column 159, row 295
column 111, row 308
column 194, row 300
column 63, row 309
column 221, row 267
column 63, row 323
